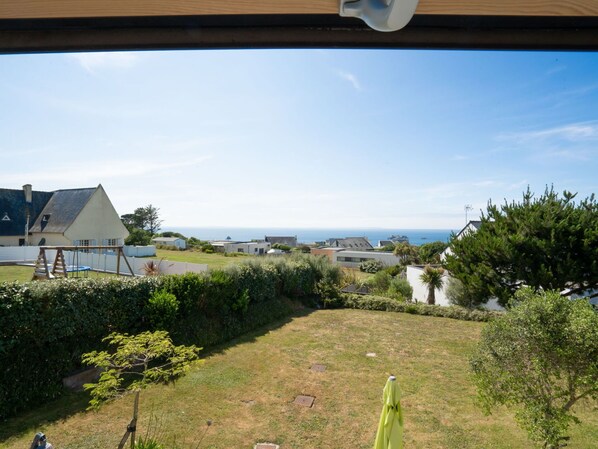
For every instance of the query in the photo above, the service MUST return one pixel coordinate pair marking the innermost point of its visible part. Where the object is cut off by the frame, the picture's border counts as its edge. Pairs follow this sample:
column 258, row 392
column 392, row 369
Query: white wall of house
column 420, row 290
column 9, row 240
column 177, row 243
column 97, row 221
column 251, row 248
column 50, row 239
column 353, row 259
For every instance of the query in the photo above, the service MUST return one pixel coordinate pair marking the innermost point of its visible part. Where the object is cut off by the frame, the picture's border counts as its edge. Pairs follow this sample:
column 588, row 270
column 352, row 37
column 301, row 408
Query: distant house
column 81, row 217
column 383, row 243
column 176, row 242
column 251, row 248
column 471, row 226
column 353, row 258
column 351, row 243
column 288, row 241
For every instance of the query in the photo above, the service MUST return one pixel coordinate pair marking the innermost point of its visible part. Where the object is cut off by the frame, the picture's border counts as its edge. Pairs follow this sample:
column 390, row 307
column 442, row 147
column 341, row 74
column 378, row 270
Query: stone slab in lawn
column 266, row 446
column 318, row 368
column 305, row 401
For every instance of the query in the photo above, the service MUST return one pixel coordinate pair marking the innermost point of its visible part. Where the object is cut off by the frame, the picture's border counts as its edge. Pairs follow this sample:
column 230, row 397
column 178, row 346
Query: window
column 112, row 242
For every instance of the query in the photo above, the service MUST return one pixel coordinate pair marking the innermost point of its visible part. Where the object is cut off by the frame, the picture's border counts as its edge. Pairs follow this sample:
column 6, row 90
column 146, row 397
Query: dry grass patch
column 248, row 390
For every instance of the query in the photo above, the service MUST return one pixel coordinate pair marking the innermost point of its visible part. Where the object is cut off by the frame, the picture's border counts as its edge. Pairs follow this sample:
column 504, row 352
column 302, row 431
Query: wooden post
column 118, row 260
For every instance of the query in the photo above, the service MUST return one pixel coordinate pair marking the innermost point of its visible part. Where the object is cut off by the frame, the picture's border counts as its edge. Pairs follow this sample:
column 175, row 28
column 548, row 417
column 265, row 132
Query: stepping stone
column 318, row 368
column 371, row 354
column 248, row 402
column 305, row 401
column 266, row 446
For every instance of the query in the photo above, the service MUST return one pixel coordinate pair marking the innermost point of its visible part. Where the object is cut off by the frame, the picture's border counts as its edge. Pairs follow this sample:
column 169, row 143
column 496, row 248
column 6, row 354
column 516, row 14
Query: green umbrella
column 390, row 429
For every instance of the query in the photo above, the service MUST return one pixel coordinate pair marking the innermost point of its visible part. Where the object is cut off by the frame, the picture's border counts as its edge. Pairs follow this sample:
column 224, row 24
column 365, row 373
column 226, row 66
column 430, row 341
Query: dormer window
column 46, row 218
column 5, row 217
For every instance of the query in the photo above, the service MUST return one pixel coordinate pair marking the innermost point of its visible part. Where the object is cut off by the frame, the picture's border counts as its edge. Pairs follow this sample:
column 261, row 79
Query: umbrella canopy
column 390, row 428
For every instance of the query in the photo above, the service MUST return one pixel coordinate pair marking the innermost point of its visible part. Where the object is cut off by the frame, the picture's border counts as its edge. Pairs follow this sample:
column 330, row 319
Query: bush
column 395, row 270
column 371, row 266
column 379, row 283
column 458, row 295
column 370, row 302
column 51, row 324
column 400, row 288
column 162, row 309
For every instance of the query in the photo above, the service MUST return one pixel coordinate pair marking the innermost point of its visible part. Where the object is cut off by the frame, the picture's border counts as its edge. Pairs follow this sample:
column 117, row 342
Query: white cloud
column 573, row 132
column 351, row 78
column 96, row 61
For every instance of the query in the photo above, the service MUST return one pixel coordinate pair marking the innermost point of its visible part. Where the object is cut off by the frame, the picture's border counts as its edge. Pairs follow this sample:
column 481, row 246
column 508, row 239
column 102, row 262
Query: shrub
column 371, row 266
column 162, row 309
column 395, row 270
column 379, row 283
column 400, row 288
column 370, row 302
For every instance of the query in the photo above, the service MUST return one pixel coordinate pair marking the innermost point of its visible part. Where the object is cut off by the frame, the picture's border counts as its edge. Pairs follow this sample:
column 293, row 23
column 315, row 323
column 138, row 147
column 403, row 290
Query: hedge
column 370, row 302
column 45, row 327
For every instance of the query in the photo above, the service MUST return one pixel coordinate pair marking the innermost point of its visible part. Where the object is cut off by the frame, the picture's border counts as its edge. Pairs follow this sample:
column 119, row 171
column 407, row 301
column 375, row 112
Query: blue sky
column 318, row 138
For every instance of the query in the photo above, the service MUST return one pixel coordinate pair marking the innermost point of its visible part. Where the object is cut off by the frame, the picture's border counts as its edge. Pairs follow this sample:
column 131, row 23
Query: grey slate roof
column 289, row 241
column 14, row 207
column 355, row 243
column 62, row 209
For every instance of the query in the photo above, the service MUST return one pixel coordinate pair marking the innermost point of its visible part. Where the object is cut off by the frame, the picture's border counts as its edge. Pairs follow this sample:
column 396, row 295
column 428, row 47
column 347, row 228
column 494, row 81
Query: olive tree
column 541, row 359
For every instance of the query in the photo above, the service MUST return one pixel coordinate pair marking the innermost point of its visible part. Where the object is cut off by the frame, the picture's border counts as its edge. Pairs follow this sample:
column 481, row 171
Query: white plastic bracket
column 381, row 15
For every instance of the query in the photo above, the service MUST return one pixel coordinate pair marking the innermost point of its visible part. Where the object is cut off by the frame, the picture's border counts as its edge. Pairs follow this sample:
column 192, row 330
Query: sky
column 302, row 138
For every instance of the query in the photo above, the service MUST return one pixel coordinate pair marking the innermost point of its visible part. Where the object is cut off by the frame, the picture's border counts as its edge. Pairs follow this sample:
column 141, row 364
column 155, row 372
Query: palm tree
column 408, row 253
column 432, row 277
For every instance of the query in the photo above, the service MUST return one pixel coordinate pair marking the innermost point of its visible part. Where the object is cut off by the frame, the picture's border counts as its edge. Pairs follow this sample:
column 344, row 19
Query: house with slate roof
column 351, row 243
column 282, row 240
column 82, row 217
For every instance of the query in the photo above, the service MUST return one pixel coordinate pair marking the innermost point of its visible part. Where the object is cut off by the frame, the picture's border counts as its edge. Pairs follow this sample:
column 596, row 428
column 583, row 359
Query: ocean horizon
column 311, row 235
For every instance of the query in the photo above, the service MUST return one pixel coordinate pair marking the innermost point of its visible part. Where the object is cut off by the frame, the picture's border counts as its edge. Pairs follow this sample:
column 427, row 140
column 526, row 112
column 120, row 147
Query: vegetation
column 136, row 362
column 458, row 295
column 371, row 266
column 142, row 225
column 540, row 358
column 548, row 243
column 247, row 388
column 432, row 278
column 281, row 247
column 54, row 323
column 429, row 253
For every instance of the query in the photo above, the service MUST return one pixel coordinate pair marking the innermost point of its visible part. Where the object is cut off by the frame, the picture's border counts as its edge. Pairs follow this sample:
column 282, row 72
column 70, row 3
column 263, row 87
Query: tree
column 408, row 253
column 146, row 218
column 138, row 237
column 430, row 252
column 540, row 358
column 432, row 278
column 138, row 361
column 548, row 243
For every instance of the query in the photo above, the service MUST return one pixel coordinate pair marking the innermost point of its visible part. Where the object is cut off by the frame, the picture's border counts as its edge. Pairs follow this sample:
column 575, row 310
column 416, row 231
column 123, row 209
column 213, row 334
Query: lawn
column 9, row 273
column 214, row 261
column 247, row 389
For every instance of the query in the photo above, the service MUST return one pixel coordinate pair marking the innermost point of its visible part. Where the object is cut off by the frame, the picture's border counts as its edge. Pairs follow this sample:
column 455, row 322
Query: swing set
column 61, row 269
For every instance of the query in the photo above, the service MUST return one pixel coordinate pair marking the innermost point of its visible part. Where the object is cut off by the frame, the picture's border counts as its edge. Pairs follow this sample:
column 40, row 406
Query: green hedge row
column 45, row 327
column 369, row 302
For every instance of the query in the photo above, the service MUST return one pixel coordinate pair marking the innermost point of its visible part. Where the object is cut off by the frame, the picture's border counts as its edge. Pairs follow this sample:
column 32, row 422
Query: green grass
column 214, row 261
column 247, row 389
column 10, row 273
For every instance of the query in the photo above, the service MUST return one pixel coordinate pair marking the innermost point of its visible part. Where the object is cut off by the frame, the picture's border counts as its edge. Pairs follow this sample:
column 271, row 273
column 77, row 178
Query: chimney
column 27, row 192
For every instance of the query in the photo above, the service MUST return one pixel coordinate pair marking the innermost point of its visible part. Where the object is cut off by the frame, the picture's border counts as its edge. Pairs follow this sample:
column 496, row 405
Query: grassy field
column 247, row 389
column 23, row 274
column 214, row 261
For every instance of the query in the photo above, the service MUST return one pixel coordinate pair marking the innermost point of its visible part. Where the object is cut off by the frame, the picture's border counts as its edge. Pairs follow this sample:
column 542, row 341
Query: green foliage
column 379, row 283
column 145, row 218
column 148, row 443
column 432, row 278
column 138, row 237
column 371, row 266
column 51, row 324
column 548, row 243
column 371, row 302
column 303, row 249
column 172, row 234
column 281, row 246
column 162, row 309
column 409, row 253
column 429, row 253
column 137, row 361
column 400, row 288
column 395, row 270
column 458, row 295
column 540, row 358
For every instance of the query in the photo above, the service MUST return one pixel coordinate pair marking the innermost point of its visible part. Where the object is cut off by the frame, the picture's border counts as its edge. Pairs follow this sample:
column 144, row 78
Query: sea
column 311, row 235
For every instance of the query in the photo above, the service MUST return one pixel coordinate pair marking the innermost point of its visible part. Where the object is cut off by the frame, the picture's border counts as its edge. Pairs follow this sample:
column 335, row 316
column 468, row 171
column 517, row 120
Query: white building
column 251, row 248
column 170, row 241
column 353, row 259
